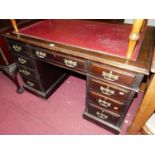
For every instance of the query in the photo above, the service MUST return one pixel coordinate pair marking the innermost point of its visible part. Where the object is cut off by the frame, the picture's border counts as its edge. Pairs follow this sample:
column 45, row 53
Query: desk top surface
column 102, row 37
column 80, row 37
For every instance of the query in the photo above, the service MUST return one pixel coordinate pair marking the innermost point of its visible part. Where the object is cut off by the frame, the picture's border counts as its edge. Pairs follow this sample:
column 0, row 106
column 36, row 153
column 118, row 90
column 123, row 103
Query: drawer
column 109, row 90
column 41, row 54
column 27, row 73
column 32, row 83
column 70, row 62
column 105, row 102
column 113, row 74
column 24, row 61
column 18, row 47
column 103, row 114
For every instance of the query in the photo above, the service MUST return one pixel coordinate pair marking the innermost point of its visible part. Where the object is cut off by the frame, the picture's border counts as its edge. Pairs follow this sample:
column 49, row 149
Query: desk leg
column 13, row 77
column 11, row 72
column 145, row 110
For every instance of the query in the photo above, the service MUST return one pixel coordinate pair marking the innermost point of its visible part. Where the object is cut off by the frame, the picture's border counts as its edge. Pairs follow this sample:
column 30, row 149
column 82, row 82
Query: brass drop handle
column 25, row 72
column 22, row 61
column 110, row 76
column 102, row 116
column 17, row 48
column 70, row 63
column 107, row 91
column 104, row 103
column 40, row 54
column 30, row 83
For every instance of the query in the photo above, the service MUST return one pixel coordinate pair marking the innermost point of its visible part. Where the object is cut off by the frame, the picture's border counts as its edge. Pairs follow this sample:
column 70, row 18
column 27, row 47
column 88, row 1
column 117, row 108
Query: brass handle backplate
column 22, row 61
column 107, row 91
column 110, row 76
column 70, row 63
column 102, row 116
column 25, row 72
column 104, row 103
column 17, row 48
column 30, row 83
column 40, row 54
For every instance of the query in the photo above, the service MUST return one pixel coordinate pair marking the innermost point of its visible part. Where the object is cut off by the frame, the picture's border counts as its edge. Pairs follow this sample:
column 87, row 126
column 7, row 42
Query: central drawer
column 63, row 60
column 42, row 54
column 70, row 62
column 109, row 90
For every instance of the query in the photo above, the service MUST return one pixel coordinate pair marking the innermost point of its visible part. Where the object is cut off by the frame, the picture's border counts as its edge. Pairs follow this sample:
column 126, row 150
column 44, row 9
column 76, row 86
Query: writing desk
column 47, row 50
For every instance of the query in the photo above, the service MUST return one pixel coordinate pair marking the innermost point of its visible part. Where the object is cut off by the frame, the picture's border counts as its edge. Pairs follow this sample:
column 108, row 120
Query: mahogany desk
column 48, row 51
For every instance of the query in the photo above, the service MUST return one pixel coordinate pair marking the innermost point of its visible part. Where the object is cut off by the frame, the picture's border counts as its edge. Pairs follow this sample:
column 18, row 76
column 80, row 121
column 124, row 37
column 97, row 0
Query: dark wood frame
column 141, row 66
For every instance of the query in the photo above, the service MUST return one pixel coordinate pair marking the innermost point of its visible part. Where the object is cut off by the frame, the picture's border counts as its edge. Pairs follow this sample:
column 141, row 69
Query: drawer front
column 24, row 72
column 113, row 74
column 70, row 62
column 23, row 61
column 105, row 102
column 103, row 115
column 32, row 83
column 109, row 90
column 41, row 54
column 18, row 47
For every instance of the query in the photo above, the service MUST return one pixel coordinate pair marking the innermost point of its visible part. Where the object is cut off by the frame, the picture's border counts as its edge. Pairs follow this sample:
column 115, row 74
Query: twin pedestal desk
column 48, row 51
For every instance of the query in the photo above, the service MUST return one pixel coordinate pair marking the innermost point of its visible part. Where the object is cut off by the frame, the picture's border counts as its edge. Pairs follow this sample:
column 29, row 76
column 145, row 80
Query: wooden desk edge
column 141, row 65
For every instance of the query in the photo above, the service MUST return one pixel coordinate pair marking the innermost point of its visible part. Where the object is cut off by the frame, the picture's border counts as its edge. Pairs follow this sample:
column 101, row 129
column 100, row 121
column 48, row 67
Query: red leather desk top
column 108, row 38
